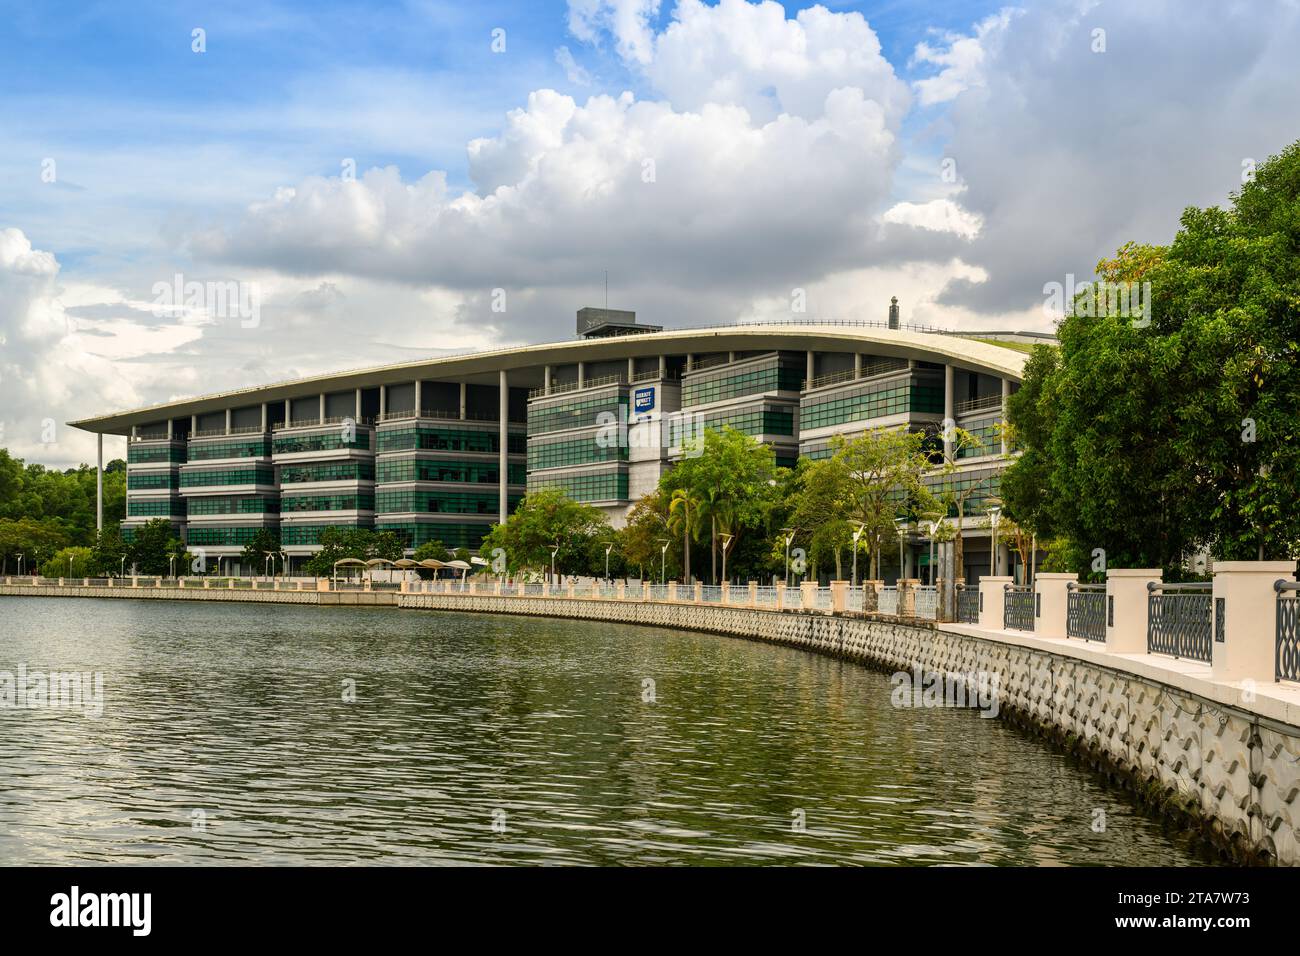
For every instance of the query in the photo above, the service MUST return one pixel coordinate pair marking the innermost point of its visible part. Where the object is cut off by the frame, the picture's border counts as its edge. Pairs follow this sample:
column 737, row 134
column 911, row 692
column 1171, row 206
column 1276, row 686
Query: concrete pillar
column 857, row 365
column 264, row 416
column 672, row 590
column 99, row 483
column 631, row 369
column 839, row 589
column 907, row 597
column 1245, row 639
column 1051, row 602
column 810, row 362
column 690, row 361
column 1126, row 608
column 546, row 380
column 753, row 594
column 570, row 590
column 726, row 592
column 383, row 401
column 582, row 374
column 949, row 414
column 463, row 403
column 663, row 366
column 1006, row 394
column 645, row 590
column 169, row 430
column 356, row 415
column 418, row 408
column 699, row 592
column 503, row 461
column 808, row 594
column 993, row 597
column 780, row 595
column 321, row 418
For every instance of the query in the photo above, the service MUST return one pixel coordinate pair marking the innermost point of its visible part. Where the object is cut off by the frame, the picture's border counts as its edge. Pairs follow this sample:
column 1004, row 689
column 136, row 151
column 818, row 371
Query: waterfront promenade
column 1208, row 733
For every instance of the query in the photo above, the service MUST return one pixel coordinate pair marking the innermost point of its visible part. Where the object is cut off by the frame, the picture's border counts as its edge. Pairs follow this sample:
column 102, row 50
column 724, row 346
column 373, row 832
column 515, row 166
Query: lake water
column 225, row 738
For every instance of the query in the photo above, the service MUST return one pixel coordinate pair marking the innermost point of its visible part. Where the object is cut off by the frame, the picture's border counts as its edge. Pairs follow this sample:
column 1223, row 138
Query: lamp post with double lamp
column 121, row 567
column 284, row 563
column 555, row 549
column 857, row 536
column 726, row 543
column 789, row 537
column 266, row 565
column 608, row 548
column 20, row 564
column 171, row 566
column 663, row 561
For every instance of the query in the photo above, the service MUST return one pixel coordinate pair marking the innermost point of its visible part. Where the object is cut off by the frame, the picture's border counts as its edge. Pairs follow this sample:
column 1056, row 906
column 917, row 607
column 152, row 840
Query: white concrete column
column 383, row 401
column 857, row 365
column 631, row 370
column 1006, row 395
column 993, row 602
column 948, row 409
column 99, row 484
column 546, row 380
column 464, row 403
column 503, row 413
column 1243, row 594
column 663, row 366
column 1126, row 608
column 229, row 419
column 582, row 374
column 418, row 408
column 357, row 414
column 810, row 362
column 690, row 361
column 839, row 589
column 194, row 425
column 321, row 418
column 1051, row 602
column 169, row 429
column 264, row 416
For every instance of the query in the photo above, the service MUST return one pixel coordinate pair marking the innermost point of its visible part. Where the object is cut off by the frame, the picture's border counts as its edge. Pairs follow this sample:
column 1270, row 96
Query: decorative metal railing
column 1287, row 661
column 1085, row 612
column 1180, row 621
column 927, row 602
column 888, row 600
column 968, row 605
column 1018, row 610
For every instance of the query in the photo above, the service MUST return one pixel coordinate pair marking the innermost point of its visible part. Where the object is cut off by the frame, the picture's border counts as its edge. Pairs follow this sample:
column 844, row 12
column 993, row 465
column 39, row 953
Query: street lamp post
column 994, row 515
column 857, row 535
column 608, row 548
column 20, row 564
column 663, row 562
column 726, row 542
column 788, row 538
column 554, row 551
column 121, row 567
column 902, row 534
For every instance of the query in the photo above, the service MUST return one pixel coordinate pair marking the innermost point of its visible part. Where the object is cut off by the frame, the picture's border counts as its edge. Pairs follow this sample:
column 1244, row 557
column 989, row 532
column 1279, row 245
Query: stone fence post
column 907, row 596
column 645, row 590
column 808, row 594
column 1245, row 619
column 993, row 602
column 620, row 590
column 753, row 594
column 838, row 591
column 1126, row 608
column 726, row 592
column 672, row 590
column 780, row 596
column 699, row 592
column 1051, row 602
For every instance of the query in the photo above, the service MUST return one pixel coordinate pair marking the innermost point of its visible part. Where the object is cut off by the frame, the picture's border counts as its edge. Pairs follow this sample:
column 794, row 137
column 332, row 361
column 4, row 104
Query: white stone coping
column 1274, row 700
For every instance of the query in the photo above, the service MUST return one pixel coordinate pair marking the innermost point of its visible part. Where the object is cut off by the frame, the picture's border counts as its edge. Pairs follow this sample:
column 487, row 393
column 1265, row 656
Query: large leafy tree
column 1151, row 436
column 263, row 544
column 545, row 519
column 361, row 543
column 154, row 546
column 42, row 509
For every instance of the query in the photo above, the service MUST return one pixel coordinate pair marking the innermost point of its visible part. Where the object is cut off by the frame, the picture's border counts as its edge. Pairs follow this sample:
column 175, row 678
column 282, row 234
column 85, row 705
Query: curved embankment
column 1226, row 771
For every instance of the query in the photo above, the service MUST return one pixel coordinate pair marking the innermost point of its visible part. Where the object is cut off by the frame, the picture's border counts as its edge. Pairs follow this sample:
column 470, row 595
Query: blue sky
column 715, row 156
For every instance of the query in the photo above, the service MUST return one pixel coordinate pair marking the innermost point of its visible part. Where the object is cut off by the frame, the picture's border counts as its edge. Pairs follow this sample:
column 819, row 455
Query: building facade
column 443, row 449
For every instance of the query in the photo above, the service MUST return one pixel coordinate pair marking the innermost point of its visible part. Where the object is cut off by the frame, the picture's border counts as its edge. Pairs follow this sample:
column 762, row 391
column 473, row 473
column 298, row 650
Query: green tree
column 544, row 519
column 68, row 563
column 640, row 540
column 106, row 557
column 265, row 543
column 154, row 546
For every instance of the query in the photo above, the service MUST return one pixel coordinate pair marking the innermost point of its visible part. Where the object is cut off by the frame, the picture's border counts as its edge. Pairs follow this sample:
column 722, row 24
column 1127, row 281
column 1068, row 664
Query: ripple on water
column 750, row 753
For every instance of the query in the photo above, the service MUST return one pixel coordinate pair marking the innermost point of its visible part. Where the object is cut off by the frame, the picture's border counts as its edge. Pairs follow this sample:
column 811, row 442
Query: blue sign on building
column 643, row 400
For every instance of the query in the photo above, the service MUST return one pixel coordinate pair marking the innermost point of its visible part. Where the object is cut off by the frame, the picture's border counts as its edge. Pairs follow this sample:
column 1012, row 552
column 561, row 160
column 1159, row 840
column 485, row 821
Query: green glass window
column 607, row 486
column 575, row 413
column 773, row 376
column 444, row 502
column 301, row 534
column 415, row 533
column 754, row 420
column 199, row 535
column 986, row 430
column 463, row 472
column 355, row 501
column 866, row 402
column 409, row 437
column 576, row 451
column 257, row 475
column 205, row 449
column 155, row 509
column 979, row 484
column 323, row 441
column 234, row 505
column 142, row 454
column 164, row 479
column 328, row 471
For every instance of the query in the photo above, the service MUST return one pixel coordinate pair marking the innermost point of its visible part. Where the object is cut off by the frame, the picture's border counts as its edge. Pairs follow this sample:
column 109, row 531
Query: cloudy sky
column 369, row 174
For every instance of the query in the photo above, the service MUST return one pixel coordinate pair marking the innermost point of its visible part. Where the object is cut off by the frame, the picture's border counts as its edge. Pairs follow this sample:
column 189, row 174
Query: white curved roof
column 528, row 361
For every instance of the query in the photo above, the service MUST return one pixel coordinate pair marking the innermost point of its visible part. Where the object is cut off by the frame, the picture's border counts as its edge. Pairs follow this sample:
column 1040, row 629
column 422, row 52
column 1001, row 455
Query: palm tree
column 684, row 516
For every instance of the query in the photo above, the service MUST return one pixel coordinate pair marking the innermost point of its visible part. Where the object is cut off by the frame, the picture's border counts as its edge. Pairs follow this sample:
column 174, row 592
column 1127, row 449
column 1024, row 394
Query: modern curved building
column 443, row 448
